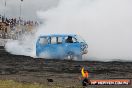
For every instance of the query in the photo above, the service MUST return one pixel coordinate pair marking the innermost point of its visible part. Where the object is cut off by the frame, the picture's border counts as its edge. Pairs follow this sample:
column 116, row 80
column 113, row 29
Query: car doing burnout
column 68, row 46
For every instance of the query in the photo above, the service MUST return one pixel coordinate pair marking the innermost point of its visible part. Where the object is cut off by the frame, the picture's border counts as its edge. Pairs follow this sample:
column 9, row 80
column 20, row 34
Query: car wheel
column 72, row 56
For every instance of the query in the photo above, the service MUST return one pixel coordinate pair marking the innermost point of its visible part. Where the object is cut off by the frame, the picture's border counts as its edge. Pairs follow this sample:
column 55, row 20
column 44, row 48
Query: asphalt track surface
column 63, row 72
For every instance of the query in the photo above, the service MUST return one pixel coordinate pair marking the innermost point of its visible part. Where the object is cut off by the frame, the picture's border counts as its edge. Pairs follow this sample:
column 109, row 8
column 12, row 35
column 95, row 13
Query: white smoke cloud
column 24, row 46
column 105, row 25
column 28, row 8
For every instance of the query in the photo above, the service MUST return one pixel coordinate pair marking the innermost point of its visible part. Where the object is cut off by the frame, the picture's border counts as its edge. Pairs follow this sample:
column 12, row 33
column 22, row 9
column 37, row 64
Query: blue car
column 61, row 46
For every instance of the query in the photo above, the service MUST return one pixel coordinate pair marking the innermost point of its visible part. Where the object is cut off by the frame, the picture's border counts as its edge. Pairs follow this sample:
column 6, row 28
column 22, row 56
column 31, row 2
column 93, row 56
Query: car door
column 42, row 47
column 72, row 47
column 56, row 47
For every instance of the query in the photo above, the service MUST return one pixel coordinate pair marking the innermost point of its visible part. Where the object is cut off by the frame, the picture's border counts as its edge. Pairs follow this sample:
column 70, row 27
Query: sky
column 29, row 7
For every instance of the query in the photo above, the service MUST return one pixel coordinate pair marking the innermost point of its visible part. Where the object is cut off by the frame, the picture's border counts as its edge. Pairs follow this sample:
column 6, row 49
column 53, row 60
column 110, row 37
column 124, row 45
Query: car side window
column 59, row 40
column 53, row 40
column 70, row 39
column 43, row 41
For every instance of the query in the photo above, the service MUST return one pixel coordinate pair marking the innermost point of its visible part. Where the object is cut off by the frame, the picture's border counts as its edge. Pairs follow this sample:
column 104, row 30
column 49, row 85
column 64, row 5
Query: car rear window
column 43, row 41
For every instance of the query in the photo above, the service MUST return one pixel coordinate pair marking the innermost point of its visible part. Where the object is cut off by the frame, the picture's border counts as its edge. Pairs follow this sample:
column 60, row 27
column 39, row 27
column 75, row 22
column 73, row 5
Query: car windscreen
column 79, row 38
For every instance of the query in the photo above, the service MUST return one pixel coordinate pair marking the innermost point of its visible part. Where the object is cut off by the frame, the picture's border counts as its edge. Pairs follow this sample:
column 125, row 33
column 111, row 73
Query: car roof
column 60, row 35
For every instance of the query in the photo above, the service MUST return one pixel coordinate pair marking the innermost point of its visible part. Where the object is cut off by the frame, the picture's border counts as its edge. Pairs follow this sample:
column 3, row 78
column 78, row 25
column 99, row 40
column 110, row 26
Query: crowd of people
column 13, row 23
column 16, row 21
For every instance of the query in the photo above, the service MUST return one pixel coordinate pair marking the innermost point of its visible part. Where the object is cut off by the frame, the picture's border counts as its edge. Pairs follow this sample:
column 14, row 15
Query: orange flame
column 84, row 73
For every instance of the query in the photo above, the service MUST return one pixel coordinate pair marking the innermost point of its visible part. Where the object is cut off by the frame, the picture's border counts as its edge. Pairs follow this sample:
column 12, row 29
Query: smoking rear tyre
column 72, row 56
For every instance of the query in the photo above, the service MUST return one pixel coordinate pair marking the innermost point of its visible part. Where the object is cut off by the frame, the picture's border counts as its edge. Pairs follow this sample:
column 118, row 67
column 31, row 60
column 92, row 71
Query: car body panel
column 59, row 49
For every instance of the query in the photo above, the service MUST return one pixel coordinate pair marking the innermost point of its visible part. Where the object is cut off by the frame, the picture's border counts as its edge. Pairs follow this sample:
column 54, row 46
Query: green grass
column 13, row 84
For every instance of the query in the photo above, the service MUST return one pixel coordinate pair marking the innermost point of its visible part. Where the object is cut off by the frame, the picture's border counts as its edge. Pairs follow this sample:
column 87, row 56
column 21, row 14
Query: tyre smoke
column 104, row 24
